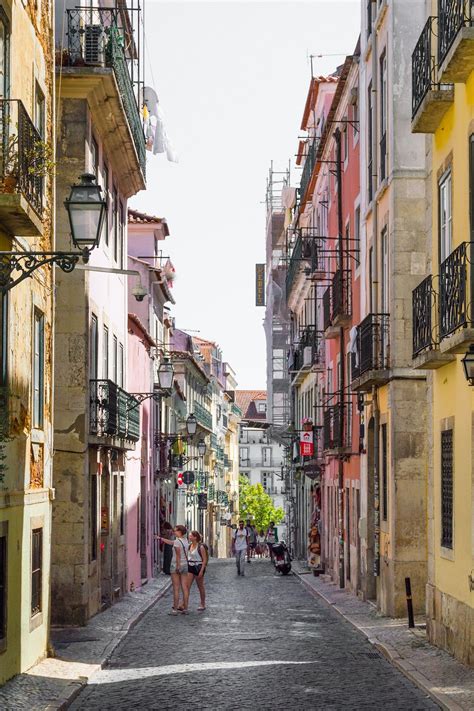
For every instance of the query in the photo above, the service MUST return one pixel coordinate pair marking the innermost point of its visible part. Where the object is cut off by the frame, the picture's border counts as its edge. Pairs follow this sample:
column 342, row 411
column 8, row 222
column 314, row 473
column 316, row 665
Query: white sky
column 232, row 79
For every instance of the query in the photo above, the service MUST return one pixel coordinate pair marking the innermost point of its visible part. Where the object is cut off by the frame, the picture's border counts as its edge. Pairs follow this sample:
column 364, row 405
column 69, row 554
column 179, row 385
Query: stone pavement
column 448, row 681
column 263, row 643
column 79, row 653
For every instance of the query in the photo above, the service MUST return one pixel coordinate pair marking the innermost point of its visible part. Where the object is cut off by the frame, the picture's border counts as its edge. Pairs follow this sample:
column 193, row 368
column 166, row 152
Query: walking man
column 240, row 543
column 252, row 534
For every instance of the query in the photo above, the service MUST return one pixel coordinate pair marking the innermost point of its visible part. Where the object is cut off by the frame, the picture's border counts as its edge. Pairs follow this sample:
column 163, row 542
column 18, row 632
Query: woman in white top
column 197, row 563
column 178, row 568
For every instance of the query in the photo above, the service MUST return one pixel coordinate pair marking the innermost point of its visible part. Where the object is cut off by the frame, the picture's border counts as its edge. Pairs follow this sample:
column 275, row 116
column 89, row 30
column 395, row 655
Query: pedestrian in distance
column 240, row 542
column 271, row 537
column 167, row 531
column 178, row 568
column 198, row 558
column 252, row 533
column 261, row 547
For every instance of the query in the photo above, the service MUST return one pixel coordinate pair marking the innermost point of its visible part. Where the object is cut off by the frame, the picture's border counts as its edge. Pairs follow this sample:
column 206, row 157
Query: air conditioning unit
column 307, row 356
column 93, row 51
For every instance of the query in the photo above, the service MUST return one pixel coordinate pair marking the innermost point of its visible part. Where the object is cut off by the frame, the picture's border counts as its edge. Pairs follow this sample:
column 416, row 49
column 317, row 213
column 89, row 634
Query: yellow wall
column 452, row 397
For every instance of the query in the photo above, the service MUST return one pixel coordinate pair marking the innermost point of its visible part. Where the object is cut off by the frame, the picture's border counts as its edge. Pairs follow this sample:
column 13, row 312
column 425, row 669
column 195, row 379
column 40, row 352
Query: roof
column 313, row 95
column 147, row 336
column 141, row 218
column 244, row 399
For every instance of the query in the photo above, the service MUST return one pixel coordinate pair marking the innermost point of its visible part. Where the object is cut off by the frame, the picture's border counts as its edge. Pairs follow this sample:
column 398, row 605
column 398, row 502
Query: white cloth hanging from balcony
column 157, row 140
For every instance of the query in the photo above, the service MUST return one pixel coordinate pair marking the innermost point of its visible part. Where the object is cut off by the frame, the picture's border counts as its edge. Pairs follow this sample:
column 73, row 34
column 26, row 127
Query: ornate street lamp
column 86, row 209
column 202, row 447
column 468, row 365
column 191, row 425
column 166, row 374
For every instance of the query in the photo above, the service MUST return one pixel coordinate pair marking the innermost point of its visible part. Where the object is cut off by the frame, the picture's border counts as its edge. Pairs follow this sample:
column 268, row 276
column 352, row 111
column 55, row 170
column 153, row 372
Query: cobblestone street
column 264, row 642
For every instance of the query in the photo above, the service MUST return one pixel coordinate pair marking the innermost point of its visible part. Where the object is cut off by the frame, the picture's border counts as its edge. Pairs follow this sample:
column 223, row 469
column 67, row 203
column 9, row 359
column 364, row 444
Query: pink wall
column 139, row 481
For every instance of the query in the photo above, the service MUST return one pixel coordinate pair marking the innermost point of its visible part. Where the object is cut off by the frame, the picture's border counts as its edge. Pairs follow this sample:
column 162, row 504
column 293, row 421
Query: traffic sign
column 179, row 479
column 188, row 477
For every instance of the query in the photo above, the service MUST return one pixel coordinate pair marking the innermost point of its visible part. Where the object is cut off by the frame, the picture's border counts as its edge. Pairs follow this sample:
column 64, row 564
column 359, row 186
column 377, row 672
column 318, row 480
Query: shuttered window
column 447, row 489
column 36, row 570
column 3, row 586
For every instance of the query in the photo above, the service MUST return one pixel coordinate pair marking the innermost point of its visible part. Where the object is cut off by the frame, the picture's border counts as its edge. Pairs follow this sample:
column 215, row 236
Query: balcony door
column 445, row 217
column 4, row 56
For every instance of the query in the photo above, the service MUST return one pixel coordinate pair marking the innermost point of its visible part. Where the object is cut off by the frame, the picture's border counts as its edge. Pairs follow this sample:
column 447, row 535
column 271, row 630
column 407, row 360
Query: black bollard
column 411, row 619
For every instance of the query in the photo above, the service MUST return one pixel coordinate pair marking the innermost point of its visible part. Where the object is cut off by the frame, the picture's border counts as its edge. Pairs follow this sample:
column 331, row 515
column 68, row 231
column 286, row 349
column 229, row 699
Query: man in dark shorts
column 252, row 534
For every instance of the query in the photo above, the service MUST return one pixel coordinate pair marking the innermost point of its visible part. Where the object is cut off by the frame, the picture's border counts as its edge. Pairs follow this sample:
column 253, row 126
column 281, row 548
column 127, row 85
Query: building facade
column 443, row 110
column 96, row 420
column 26, row 353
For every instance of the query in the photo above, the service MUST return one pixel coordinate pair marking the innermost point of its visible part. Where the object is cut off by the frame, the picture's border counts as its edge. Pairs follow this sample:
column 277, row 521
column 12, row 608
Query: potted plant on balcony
column 10, row 165
column 40, row 159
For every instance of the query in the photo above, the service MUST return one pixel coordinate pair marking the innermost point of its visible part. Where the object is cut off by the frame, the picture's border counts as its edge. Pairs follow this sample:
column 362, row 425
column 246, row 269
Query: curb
column 391, row 654
column 74, row 688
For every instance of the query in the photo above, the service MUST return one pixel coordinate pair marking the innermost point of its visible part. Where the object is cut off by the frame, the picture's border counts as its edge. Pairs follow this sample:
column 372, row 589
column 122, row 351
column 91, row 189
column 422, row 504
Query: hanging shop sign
column 260, row 285
column 306, row 444
column 104, row 520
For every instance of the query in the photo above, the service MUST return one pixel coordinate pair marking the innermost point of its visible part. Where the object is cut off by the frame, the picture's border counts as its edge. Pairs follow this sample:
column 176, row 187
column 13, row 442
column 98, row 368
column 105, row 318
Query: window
column 94, row 349
column 38, row 369
column 384, row 473
column 105, row 353
column 107, row 202
column 445, row 217
column 121, row 246
column 115, row 223
column 267, row 482
column 121, row 366
column 357, row 236
column 40, row 113
column 267, row 456
column 371, row 279
column 3, row 338
column 262, row 407
column 4, row 55
column 447, row 489
column 370, row 132
column 383, row 116
column 95, row 158
column 3, row 586
column 385, row 272
column 115, row 360
column 244, row 456
column 355, row 114
column 346, row 140
column 369, row 18
column 244, row 436
column 93, row 517
column 36, row 570
column 122, row 506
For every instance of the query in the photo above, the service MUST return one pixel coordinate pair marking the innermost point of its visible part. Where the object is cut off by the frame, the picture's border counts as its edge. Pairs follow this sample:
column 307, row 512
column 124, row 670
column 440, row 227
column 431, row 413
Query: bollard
column 411, row 619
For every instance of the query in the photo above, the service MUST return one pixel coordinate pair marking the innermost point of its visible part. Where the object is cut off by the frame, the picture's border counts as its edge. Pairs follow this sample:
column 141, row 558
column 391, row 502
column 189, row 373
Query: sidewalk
column 447, row 681
column 79, row 653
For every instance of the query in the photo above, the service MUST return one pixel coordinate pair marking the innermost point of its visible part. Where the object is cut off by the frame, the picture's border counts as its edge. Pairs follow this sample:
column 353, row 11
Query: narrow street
column 263, row 643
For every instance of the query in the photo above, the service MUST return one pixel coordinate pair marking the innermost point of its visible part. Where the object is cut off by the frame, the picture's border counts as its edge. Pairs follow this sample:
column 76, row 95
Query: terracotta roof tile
column 244, row 399
column 141, row 218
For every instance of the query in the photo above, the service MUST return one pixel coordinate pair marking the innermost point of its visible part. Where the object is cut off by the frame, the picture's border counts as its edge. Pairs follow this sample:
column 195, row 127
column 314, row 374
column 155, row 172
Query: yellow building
column 443, row 318
column 26, row 331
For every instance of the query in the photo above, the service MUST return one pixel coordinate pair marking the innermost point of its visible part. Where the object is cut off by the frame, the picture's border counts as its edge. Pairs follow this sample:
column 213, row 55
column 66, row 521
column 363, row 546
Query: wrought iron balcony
column 309, row 165
column 453, row 15
column 383, row 157
column 213, row 441
column 372, row 343
column 341, row 296
column 22, row 167
column 327, row 310
column 455, row 291
column 310, row 351
column 113, row 412
column 430, row 98
column 337, row 427
column 203, row 416
column 96, row 38
column 294, row 265
column 423, row 304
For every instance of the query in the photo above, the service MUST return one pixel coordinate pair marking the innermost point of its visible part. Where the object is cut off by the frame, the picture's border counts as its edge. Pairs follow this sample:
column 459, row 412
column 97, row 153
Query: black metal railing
column 311, row 338
column 309, row 164
column 96, row 38
column 423, row 303
column 22, row 154
column 453, row 15
column 337, row 426
column 327, row 308
column 383, row 157
column 454, row 290
column 372, row 345
column 341, row 293
column 294, row 265
column 423, row 66
column 370, row 180
column 113, row 412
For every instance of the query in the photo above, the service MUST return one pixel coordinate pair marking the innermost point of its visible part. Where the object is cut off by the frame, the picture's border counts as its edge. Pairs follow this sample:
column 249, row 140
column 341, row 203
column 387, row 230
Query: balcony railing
column 372, row 344
column 308, row 168
column 455, row 290
column 113, row 412
column 96, row 39
column 336, row 431
column 423, row 303
column 341, row 294
column 309, row 338
column 423, row 66
column 294, row 265
column 383, row 157
column 213, row 441
column 21, row 154
column 453, row 15
column 202, row 415
column 327, row 308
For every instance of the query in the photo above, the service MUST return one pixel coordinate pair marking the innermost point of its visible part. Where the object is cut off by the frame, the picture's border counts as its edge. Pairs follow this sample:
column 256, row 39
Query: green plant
column 10, row 155
column 257, row 505
column 40, row 159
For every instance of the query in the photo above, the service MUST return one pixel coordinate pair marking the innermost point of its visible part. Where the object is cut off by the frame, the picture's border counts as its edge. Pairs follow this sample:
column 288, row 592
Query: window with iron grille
column 38, row 369
column 447, row 489
column 93, row 517
column 384, row 473
column 36, row 570
column 3, row 586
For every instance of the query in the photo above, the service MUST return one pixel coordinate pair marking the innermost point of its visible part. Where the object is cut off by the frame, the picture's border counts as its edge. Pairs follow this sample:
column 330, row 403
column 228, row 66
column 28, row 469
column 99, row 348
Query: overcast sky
column 232, row 79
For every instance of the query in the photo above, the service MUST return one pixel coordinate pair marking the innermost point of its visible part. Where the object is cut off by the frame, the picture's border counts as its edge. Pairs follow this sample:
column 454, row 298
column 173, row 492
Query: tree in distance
column 257, row 505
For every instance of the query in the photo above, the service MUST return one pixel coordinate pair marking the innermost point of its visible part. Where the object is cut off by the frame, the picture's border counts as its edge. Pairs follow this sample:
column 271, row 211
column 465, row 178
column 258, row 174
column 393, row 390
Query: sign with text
column 260, row 285
column 306, row 444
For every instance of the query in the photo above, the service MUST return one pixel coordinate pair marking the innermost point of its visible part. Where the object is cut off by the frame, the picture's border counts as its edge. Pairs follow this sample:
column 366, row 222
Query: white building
column 260, row 457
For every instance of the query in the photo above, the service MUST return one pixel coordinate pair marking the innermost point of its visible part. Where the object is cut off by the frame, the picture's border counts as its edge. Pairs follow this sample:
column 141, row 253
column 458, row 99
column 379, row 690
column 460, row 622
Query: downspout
column 340, row 266
column 375, row 299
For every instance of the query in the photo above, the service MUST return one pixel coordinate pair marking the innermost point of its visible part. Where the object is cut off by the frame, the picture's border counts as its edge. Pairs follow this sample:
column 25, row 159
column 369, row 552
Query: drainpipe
column 375, row 300
column 340, row 266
